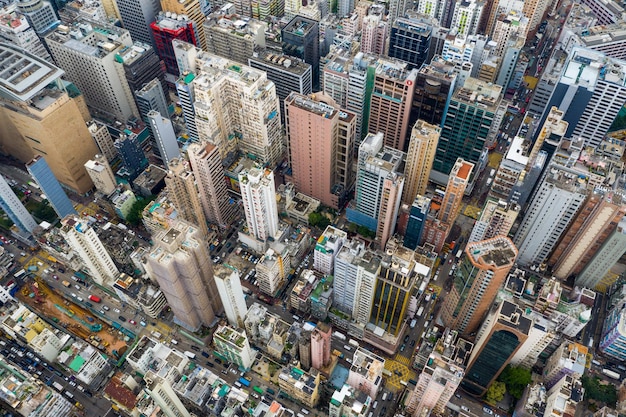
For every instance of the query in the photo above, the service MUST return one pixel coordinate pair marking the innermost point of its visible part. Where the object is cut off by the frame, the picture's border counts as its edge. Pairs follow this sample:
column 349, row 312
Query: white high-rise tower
column 259, row 202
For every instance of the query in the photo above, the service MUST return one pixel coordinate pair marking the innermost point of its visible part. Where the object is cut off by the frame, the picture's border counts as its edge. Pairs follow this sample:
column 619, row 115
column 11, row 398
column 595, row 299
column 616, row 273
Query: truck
column 190, row 355
column 244, row 382
column 95, row 298
column 422, row 288
column 66, row 284
column 419, row 312
column 459, row 253
column 611, row 374
column 353, row 343
column 427, row 298
column 57, row 386
column 338, row 354
column 339, row 335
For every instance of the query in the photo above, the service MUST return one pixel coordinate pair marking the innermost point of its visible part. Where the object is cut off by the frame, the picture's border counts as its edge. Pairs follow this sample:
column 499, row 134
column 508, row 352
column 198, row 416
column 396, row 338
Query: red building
column 167, row 28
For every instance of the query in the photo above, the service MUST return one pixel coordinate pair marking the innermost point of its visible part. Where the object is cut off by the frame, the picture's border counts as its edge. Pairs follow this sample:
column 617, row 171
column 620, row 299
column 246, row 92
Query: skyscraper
column 231, row 293
column 496, row 219
column 84, row 241
column 259, row 202
column 164, row 136
column 14, row 208
column 457, row 184
column 42, row 114
column 321, row 147
column 419, row 159
column 16, row 31
column 374, row 34
column 300, row 38
column 417, row 221
column 320, row 346
column 231, row 37
column 40, row 171
column 40, row 14
column 90, row 62
column 181, row 264
column 184, row 194
column 103, row 139
column 410, row 40
column 614, row 333
column 466, row 17
column 502, row 334
column 193, row 10
column 482, row 271
column 434, row 85
column 141, row 66
column 151, row 96
column 132, row 155
column 326, row 248
column 137, row 15
column 390, row 104
column 164, row 30
column 605, row 258
column 212, row 190
column 101, row 174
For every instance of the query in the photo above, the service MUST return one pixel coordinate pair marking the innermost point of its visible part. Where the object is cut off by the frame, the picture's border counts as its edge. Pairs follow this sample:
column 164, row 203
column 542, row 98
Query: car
column 77, row 287
column 72, row 383
column 464, row 408
column 74, row 295
column 105, row 308
column 224, row 372
column 406, row 338
column 210, row 364
column 457, row 395
column 488, row 410
column 55, row 277
column 402, row 347
column 196, row 348
column 412, row 343
column 143, row 323
column 122, row 318
column 61, row 270
column 117, row 310
column 133, row 322
column 102, row 312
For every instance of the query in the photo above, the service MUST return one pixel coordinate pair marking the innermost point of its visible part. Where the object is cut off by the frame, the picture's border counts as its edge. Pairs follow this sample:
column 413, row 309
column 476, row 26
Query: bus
column 32, row 184
column 611, row 374
column 353, row 343
column 190, row 355
column 257, row 390
column 459, row 253
column 244, row 382
column 19, row 273
column 339, row 335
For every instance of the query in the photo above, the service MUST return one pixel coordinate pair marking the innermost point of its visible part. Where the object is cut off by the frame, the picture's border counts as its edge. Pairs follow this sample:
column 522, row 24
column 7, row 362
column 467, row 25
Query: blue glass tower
column 132, row 156
column 417, row 219
column 39, row 169
column 13, row 207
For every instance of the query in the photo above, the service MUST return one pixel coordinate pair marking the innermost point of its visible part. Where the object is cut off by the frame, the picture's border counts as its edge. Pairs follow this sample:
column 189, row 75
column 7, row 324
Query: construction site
column 77, row 320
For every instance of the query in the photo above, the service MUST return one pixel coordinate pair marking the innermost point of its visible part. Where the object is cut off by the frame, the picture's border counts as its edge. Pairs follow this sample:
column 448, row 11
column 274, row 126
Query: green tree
column 516, row 380
column 317, row 219
column 596, row 390
column 135, row 212
column 495, row 392
column 43, row 211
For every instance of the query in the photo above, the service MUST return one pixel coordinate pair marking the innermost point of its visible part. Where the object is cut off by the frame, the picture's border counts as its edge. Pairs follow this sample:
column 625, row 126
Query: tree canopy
column 317, row 219
column 134, row 214
column 598, row 391
column 516, row 379
column 495, row 392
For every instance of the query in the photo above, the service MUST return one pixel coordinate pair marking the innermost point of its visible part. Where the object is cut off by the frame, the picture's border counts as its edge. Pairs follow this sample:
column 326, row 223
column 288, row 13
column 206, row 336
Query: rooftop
column 498, row 251
column 586, row 66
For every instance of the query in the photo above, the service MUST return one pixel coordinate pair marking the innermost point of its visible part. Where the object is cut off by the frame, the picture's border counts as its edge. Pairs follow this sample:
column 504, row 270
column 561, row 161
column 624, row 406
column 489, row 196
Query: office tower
column 259, row 202
column 327, row 246
column 288, row 75
column 44, row 114
column 605, row 258
column 434, row 85
column 441, row 376
column 233, row 345
column 482, row 271
column 184, row 194
column 181, row 264
column 472, row 120
column 229, row 36
column 551, row 210
column 84, row 241
column 419, row 159
column 393, row 289
column 15, row 30
column 137, row 15
column 191, row 9
column 103, row 139
column 90, row 62
column 300, row 39
column 264, row 10
column 614, row 332
column 374, row 35
column 13, row 207
column 417, row 221
column 453, row 198
column 231, row 293
column 143, row 68
column 101, row 174
column 496, row 219
column 504, row 331
column 184, row 91
column 39, row 169
column 466, row 17
column 151, row 96
column 133, row 159
column 596, row 219
column 40, row 14
column 390, row 104
column 164, row 136
column 410, row 40
column 212, row 189
column 569, row 358
column 321, row 147
column 320, row 346
column 165, row 29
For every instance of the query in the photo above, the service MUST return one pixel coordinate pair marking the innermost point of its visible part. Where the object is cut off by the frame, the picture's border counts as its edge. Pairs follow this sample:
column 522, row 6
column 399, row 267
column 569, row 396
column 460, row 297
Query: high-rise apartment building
column 181, row 264
column 455, row 189
column 300, row 39
column 84, row 241
column 39, row 169
column 13, row 207
column 151, row 96
column 534, row 11
column 434, row 86
column 418, row 213
column 613, row 339
column 472, row 120
column 258, row 194
column 213, row 192
column 142, row 65
column 164, row 136
column 496, row 219
column 502, row 334
column 103, row 139
column 193, row 11
column 390, row 105
column 165, row 29
column 596, row 219
column 569, row 358
column 327, row 246
column 233, row 345
column 476, row 281
column 374, row 34
column 366, row 372
column 466, row 17
column 605, row 258
column 321, row 147
column 271, row 271
column 101, row 174
column 184, row 193
column 137, row 15
column 16, row 30
column 409, row 40
column 231, row 293
column 320, row 346
column 552, row 208
column 42, row 114
column 87, row 50
column 40, row 14
column 419, row 159
column 234, row 38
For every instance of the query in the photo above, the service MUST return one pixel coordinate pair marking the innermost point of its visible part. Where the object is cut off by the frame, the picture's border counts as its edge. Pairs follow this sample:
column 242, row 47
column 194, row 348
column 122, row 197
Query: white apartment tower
column 86, row 50
column 466, row 17
column 101, row 174
column 180, row 263
column 326, row 248
column 13, row 207
column 230, row 291
column 85, row 242
column 259, row 202
column 15, row 30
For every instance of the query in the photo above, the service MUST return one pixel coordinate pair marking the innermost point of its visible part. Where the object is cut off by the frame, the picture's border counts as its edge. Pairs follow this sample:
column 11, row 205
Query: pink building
column 320, row 346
